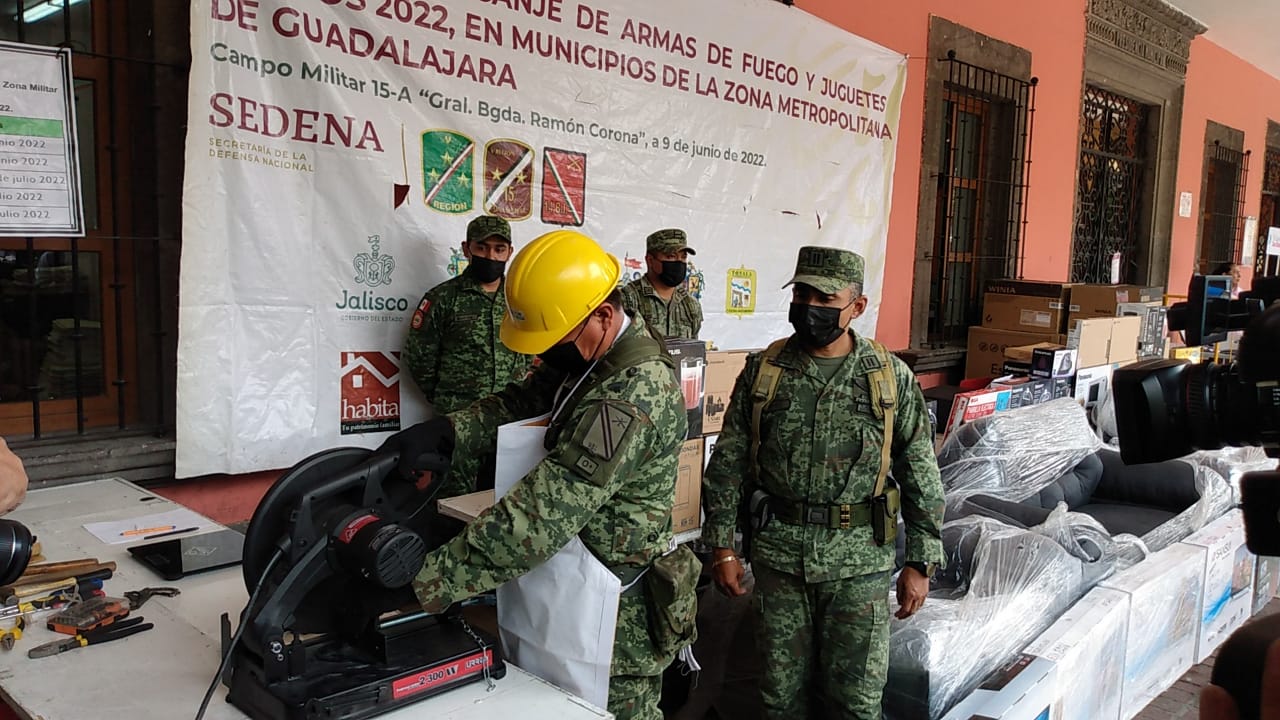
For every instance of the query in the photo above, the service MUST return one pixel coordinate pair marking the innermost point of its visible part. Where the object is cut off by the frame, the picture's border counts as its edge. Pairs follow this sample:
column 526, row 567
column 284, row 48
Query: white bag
column 558, row 620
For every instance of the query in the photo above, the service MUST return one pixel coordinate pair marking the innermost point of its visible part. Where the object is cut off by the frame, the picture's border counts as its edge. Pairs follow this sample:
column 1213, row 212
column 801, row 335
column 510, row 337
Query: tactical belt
column 836, row 517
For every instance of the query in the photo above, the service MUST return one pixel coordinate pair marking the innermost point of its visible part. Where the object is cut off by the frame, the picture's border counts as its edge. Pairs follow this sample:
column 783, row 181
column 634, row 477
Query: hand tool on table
column 114, row 631
column 136, row 598
column 52, row 567
column 97, row 571
column 9, row 636
column 89, row 615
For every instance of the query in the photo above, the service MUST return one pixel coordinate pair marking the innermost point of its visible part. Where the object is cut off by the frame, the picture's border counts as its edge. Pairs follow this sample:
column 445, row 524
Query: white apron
column 557, row 621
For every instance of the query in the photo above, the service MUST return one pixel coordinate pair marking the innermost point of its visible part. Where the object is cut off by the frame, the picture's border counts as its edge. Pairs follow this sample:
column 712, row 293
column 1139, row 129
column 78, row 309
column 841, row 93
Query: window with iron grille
column 981, row 208
column 1269, row 214
column 1113, row 162
column 1222, row 209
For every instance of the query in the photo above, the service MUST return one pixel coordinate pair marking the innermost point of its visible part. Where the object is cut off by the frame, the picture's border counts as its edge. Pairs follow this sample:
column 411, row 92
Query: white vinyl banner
column 337, row 149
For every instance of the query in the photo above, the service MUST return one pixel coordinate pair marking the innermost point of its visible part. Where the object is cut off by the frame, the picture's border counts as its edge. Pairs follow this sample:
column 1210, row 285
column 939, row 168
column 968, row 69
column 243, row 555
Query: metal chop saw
column 332, row 629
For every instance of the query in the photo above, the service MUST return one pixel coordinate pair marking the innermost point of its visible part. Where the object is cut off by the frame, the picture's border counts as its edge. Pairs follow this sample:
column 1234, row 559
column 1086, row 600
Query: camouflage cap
column 830, row 270
column 669, row 240
column 487, row 226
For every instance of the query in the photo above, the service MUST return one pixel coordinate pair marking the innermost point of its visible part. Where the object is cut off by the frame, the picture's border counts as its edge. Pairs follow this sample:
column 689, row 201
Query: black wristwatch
column 925, row 569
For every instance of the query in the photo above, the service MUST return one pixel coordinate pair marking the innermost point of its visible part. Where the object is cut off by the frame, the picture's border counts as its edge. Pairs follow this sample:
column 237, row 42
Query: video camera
column 1167, row 408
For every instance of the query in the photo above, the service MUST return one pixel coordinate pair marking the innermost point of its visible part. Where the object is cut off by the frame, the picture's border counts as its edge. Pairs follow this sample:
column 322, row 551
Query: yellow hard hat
column 554, row 283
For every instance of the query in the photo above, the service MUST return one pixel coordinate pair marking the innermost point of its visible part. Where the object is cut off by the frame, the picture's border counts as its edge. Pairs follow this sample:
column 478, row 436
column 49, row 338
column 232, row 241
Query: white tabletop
column 162, row 674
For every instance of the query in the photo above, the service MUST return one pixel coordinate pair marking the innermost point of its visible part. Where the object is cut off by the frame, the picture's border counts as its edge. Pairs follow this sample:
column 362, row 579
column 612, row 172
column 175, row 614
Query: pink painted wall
column 1054, row 34
column 1229, row 91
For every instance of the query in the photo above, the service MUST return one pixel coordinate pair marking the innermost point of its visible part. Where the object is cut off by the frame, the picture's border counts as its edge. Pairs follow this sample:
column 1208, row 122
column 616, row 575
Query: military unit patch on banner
column 564, row 187
column 508, row 179
column 448, row 170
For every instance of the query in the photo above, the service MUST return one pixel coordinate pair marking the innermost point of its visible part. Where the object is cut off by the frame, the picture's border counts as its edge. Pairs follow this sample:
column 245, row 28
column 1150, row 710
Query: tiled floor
column 1182, row 701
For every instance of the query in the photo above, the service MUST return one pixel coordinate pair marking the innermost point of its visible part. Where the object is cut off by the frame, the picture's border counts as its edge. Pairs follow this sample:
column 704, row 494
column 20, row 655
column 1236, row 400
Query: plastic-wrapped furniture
column 1001, row 588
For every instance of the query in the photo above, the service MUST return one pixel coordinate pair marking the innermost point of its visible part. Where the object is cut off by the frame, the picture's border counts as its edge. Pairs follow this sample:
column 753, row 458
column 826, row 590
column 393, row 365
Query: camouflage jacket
column 453, row 351
column 680, row 318
column 820, row 444
column 609, row 477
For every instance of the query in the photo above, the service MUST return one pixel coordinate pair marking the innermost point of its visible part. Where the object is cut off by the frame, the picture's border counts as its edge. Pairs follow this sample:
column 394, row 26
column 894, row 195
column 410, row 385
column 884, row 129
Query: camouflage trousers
column 825, row 646
column 635, row 697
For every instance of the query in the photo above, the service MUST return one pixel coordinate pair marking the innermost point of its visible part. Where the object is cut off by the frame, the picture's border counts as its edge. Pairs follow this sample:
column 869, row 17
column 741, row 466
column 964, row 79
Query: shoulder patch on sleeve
column 597, row 443
column 420, row 314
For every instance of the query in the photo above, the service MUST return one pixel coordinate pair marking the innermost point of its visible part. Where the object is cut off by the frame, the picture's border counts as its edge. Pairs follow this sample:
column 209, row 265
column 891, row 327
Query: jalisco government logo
column 373, row 268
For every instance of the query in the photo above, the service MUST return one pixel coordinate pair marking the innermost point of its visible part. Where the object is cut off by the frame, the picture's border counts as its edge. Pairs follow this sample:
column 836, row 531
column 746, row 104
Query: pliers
column 114, row 631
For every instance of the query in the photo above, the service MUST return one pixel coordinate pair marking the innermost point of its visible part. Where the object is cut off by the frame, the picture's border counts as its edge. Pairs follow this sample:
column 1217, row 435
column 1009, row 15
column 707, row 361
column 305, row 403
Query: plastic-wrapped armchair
column 1012, row 455
column 1001, row 588
column 1161, row 503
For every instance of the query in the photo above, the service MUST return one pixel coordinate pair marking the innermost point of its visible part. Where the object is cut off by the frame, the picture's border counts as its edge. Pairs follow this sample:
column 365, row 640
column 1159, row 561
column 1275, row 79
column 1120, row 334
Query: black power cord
column 235, row 640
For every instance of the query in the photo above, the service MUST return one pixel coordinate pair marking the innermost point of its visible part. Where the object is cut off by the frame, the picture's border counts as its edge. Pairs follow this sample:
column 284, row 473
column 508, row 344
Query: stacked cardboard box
column 1090, row 301
column 1016, row 313
column 707, row 379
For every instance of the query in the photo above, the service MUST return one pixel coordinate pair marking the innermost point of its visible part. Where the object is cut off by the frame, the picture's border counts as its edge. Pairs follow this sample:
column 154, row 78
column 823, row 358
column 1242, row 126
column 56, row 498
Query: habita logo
column 373, row 269
column 370, row 395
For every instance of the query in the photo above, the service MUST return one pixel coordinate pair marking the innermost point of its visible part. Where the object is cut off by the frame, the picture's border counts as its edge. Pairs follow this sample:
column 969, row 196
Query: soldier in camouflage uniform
column 659, row 295
column 609, row 477
column 821, row 594
column 452, row 350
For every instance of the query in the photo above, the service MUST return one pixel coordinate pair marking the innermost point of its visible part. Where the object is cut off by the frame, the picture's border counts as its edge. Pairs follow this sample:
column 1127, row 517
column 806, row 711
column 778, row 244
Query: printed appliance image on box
column 1020, row 690
column 1227, row 599
column 1164, row 618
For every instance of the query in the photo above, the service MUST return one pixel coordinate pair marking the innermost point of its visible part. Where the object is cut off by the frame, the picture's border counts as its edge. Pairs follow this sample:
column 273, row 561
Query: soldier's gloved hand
column 727, row 572
column 432, row 437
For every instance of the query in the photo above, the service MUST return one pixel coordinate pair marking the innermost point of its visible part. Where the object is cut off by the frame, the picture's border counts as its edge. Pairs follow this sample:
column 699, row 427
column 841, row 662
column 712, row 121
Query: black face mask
column 484, row 270
column 566, row 357
column 673, row 272
column 816, row 326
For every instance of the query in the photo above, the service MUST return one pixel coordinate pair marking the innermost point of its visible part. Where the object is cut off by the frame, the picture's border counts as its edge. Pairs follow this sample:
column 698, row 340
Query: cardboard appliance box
column 1103, row 341
column 686, row 514
column 1089, row 301
column 723, row 368
column 691, row 367
column 1026, row 306
column 1093, row 384
column 1227, row 599
column 1022, row 689
column 1126, row 333
column 1155, row 327
column 1266, row 582
column 1064, row 387
column 1020, row 390
column 985, row 357
column 1164, row 618
column 1087, row 645
column 1053, row 363
column 970, row 406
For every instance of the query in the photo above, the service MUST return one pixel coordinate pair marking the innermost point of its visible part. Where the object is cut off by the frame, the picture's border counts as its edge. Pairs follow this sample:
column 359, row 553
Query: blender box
column 1227, row 599
column 1164, row 621
column 691, row 366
